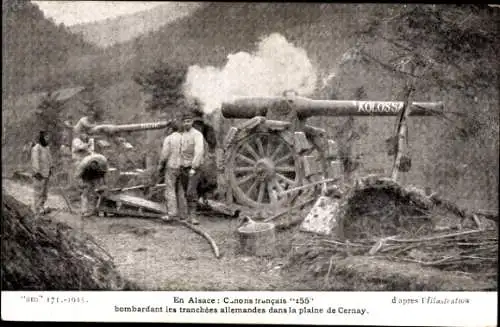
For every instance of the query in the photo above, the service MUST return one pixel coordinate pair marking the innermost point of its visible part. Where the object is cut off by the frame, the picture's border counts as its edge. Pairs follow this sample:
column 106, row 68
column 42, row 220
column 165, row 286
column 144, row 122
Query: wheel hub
column 264, row 169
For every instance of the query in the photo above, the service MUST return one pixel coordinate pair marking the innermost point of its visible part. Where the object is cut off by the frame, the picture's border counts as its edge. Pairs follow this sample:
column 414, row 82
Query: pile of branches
column 38, row 254
column 392, row 234
column 474, row 251
column 402, row 224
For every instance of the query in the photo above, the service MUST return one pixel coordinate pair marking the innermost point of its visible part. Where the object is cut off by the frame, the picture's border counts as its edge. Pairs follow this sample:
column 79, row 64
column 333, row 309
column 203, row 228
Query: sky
column 76, row 12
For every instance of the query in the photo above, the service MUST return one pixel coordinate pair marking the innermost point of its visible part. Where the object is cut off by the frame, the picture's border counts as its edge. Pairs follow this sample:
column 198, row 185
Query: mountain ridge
column 120, row 29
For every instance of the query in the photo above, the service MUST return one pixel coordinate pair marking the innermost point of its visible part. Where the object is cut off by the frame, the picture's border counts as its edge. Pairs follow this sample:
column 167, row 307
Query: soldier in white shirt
column 182, row 155
column 42, row 166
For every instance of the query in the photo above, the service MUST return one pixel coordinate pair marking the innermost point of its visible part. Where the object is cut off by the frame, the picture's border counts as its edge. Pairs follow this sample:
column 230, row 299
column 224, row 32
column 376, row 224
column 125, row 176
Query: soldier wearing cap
column 182, row 155
column 42, row 166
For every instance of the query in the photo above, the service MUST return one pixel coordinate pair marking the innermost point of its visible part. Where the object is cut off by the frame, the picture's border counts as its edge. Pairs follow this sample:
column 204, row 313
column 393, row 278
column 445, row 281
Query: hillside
column 202, row 37
column 124, row 28
column 34, row 46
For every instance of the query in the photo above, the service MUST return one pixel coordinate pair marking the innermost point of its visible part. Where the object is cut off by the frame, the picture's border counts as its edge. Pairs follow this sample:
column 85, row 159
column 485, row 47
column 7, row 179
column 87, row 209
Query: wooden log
column 121, row 212
column 131, row 188
column 220, row 207
column 257, row 239
column 401, row 131
column 303, row 187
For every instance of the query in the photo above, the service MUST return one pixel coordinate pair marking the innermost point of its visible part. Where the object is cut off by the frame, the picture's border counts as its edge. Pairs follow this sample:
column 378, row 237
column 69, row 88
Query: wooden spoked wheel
column 261, row 165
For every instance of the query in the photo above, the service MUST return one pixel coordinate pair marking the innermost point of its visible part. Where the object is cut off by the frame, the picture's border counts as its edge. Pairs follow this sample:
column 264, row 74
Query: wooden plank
column 129, row 213
column 139, row 202
column 303, row 187
column 137, row 187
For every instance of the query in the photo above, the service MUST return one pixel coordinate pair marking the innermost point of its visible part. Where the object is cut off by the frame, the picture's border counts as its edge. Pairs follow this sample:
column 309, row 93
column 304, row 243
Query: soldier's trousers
column 180, row 191
column 40, row 192
column 88, row 196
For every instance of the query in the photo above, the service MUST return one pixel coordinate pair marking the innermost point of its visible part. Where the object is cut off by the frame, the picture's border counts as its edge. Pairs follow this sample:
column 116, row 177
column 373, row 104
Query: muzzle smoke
column 275, row 67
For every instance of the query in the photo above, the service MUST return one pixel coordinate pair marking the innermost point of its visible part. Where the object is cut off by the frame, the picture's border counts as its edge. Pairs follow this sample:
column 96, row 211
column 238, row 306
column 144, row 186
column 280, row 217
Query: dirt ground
column 163, row 256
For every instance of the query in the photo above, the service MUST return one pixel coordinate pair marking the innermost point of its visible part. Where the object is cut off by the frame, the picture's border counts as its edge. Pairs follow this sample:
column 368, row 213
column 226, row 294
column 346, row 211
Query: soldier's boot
column 192, row 214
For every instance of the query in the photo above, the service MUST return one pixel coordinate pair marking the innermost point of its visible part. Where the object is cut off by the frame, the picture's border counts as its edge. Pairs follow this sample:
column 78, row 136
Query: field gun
column 273, row 150
column 112, row 130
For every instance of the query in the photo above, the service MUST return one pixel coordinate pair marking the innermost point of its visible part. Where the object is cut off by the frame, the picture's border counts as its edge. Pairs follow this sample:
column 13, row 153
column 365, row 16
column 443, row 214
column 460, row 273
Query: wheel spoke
column 268, row 146
column 246, row 179
column 285, row 169
column 260, row 147
column 251, row 188
column 272, row 195
column 246, row 159
column 286, row 157
column 262, row 187
column 286, row 179
column 278, row 185
column 251, row 151
column 244, row 169
column 276, row 151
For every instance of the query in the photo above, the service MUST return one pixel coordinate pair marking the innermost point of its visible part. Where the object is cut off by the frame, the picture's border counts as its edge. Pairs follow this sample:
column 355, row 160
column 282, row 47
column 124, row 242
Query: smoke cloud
column 276, row 66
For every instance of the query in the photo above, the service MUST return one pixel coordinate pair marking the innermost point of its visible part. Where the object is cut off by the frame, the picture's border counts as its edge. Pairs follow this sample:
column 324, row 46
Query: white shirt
column 183, row 149
column 41, row 160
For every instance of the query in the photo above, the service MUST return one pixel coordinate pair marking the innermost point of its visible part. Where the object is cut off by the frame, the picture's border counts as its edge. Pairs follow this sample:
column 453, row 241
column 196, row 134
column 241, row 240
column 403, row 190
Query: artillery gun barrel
column 112, row 129
column 245, row 108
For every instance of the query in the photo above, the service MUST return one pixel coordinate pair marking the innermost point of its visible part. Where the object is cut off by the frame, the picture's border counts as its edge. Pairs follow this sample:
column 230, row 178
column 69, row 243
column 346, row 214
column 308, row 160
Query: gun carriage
column 274, row 150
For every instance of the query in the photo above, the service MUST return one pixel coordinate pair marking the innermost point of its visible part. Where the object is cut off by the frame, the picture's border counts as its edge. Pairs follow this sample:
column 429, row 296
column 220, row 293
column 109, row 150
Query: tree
column 165, row 85
column 48, row 118
column 454, row 49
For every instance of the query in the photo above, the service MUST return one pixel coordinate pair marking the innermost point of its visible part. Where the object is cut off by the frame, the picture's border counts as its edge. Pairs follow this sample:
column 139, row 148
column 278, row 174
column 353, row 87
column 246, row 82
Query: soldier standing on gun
column 86, row 123
column 42, row 164
column 182, row 155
